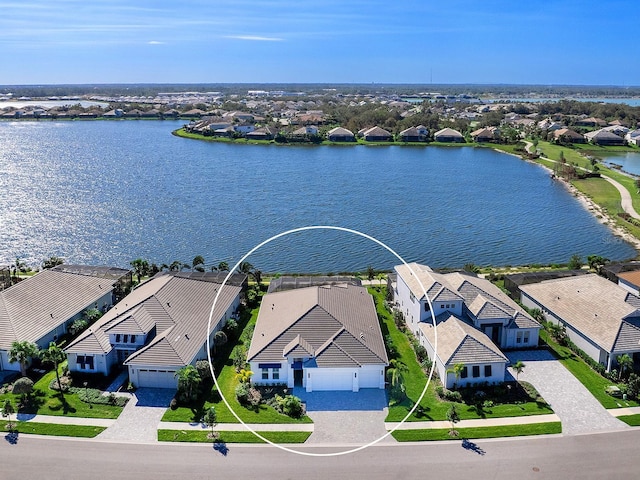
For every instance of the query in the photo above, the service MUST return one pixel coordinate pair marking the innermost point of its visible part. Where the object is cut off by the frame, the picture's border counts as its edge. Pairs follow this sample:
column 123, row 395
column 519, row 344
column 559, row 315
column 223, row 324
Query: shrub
column 173, row 404
column 239, row 358
column 93, row 395
column 204, row 370
column 78, row 326
column 65, row 384
column 633, row 385
column 292, row 406
column 452, row 396
column 421, row 353
column 242, row 393
column 254, row 397
column 23, row 386
column 398, row 318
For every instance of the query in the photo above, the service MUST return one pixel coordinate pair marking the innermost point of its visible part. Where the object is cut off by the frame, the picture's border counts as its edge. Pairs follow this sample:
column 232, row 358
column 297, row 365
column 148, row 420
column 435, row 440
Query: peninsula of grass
column 231, row 437
column 226, row 377
column 592, row 380
column 45, row 401
column 36, row 428
column 519, row 401
column 631, row 420
column 546, row 428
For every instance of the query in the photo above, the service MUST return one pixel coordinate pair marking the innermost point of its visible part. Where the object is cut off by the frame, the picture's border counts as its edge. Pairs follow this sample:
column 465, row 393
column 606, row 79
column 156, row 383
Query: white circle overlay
column 262, row 244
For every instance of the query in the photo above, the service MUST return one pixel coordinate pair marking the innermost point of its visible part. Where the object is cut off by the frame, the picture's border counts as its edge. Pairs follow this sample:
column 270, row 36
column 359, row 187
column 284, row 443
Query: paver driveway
column 570, row 400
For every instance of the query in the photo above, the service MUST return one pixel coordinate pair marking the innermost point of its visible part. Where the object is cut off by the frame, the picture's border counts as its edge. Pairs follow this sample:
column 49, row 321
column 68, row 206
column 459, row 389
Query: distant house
column 448, row 135
column 262, row 133
column 307, row 130
column 633, row 137
column 591, row 122
column 601, row 318
column 377, row 134
column 630, row 281
column 414, row 134
column 602, row 137
column 158, row 328
column 194, row 112
column 319, row 338
column 549, row 125
column 483, row 135
column 340, row 134
column 475, row 317
column 41, row 308
column 566, row 135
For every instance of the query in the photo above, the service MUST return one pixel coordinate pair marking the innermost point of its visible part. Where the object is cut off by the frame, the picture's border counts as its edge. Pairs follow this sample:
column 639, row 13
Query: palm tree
column 518, row 367
column 140, row 268
column 457, row 371
column 223, row 267
column 52, row 262
column 395, row 375
column 537, row 315
column 198, row 263
column 54, row 354
column 244, row 375
column 625, row 362
column 245, row 267
column 188, row 381
column 23, row 352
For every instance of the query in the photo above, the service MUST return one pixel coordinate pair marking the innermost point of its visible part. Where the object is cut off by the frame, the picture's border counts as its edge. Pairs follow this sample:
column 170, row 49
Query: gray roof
column 176, row 304
column 448, row 132
column 592, row 305
column 337, row 325
column 34, row 307
column 459, row 342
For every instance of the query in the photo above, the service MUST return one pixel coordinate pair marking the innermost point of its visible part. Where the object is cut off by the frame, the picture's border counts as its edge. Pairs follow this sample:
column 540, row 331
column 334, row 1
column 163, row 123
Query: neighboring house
column 158, row 328
column 41, row 308
column 602, row 137
column 630, row 281
column 307, row 130
column 414, row 134
column 591, row 122
column 461, row 302
column 601, row 318
column 633, row 137
column 340, row 134
column 483, row 135
column 319, row 338
column 448, row 135
column 566, row 135
column 377, row 134
column 262, row 133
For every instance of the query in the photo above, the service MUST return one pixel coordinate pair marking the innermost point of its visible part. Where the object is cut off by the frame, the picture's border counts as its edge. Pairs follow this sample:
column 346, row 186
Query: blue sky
column 350, row 41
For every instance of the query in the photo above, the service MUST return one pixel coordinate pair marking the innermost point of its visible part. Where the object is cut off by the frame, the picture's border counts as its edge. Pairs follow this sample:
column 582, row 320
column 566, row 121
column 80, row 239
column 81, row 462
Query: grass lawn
column 231, row 437
column 35, row 428
column 478, row 432
column 49, row 402
column 432, row 407
column 593, row 381
column 228, row 382
column 632, row 420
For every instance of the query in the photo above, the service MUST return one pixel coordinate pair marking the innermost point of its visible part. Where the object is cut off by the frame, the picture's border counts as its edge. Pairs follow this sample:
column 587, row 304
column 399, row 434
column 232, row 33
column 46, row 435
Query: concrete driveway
column 570, row 400
column 346, row 418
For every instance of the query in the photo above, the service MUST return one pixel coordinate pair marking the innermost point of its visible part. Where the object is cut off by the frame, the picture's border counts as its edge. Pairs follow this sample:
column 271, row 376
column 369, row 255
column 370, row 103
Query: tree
column 457, row 371
column 23, row 352
column 596, row 262
column 7, row 411
column 518, row 367
column 223, row 267
column 188, row 382
column 395, row 376
column 625, row 364
column 51, row 262
column 471, row 268
column 219, row 339
column 210, row 419
column 140, row 268
column 55, row 355
column 198, row 263
column 453, row 418
column 245, row 267
column 381, row 277
column 371, row 273
column 537, row 315
column 575, row 262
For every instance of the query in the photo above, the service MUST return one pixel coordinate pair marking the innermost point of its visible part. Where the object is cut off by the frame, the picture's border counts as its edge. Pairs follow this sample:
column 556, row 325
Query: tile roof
column 632, row 278
column 177, row 306
column 337, row 323
column 35, row 306
column 591, row 304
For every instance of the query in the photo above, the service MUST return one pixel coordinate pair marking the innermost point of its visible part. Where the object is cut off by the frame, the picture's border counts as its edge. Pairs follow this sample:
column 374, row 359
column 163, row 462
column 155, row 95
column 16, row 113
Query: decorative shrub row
column 95, row 396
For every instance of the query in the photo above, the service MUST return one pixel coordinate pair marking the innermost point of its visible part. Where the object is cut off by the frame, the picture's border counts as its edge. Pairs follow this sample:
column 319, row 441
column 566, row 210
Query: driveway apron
column 139, row 420
column 346, row 418
column 578, row 410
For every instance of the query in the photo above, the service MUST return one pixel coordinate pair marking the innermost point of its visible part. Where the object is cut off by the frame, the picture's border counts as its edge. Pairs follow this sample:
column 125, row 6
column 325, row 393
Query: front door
column 298, row 375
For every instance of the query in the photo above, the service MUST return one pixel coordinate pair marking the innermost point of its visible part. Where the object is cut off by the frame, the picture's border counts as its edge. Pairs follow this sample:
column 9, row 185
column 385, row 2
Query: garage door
column 157, row 378
column 331, row 379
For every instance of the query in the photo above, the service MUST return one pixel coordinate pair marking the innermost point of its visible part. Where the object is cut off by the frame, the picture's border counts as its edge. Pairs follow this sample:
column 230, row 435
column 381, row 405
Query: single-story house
column 633, row 137
column 483, row 135
column 448, row 135
column 600, row 317
column 377, row 134
column 262, row 133
column 158, row 328
column 307, row 130
column 319, row 338
column 630, row 281
column 41, row 308
column 567, row 135
column 467, row 301
column 340, row 134
column 414, row 134
column 602, row 137
column 591, row 122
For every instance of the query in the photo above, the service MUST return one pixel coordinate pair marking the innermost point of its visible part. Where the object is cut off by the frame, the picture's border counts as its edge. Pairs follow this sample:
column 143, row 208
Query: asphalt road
column 604, row 455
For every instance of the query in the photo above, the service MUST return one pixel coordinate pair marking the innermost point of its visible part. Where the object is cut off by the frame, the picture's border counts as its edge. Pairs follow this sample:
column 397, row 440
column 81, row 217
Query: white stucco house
column 319, row 338
column 41, row 308
column 601, row 318
column 158, row 328
column 475, row 320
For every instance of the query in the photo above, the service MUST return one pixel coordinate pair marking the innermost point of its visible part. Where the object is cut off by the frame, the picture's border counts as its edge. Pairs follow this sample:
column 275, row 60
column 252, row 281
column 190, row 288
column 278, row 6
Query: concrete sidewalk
column 60, row 420
column 478, row 422
column 618, row 412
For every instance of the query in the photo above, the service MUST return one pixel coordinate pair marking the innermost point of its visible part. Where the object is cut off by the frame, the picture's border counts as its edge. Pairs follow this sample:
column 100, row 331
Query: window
column 487, row 370
column 265, row 374
column 125, row 339
column 464, row 373
column 519, row 337
column 426, row 306
column 275, row 373
column 85, row 362
column 442, row 305
column 526, row 337
column 133, row 339
column 476, row 371
column 412, row 297
column 117, row 338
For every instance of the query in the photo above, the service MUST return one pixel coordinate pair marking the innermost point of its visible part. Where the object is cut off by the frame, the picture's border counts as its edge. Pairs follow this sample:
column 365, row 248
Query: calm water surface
column 630, row 161
column 108, row 192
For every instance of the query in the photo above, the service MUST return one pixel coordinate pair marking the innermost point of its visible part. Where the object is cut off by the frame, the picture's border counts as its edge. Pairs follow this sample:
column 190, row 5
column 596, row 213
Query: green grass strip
column 231, row 437
column 631, row 420
column 35, row 428
column 478, row 432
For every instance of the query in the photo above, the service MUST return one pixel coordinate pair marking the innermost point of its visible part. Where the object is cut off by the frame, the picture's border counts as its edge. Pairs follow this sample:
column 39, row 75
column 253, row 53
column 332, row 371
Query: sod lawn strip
column 35, row 428
column 631, row 420
column 478, row 432
column 231, row 437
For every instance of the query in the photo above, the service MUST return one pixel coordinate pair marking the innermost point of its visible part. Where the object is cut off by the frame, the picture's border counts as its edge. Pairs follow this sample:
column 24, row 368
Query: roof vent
column 361, row 335
column 168, row 304
column 186, row 336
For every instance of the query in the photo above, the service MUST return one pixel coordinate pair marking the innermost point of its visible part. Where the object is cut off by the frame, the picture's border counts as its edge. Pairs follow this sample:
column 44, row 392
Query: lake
column 630, row 161
column 108, row 192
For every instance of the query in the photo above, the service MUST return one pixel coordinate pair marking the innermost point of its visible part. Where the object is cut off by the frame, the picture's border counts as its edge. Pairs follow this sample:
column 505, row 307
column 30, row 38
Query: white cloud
column 155, row 42
column 255, row 38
